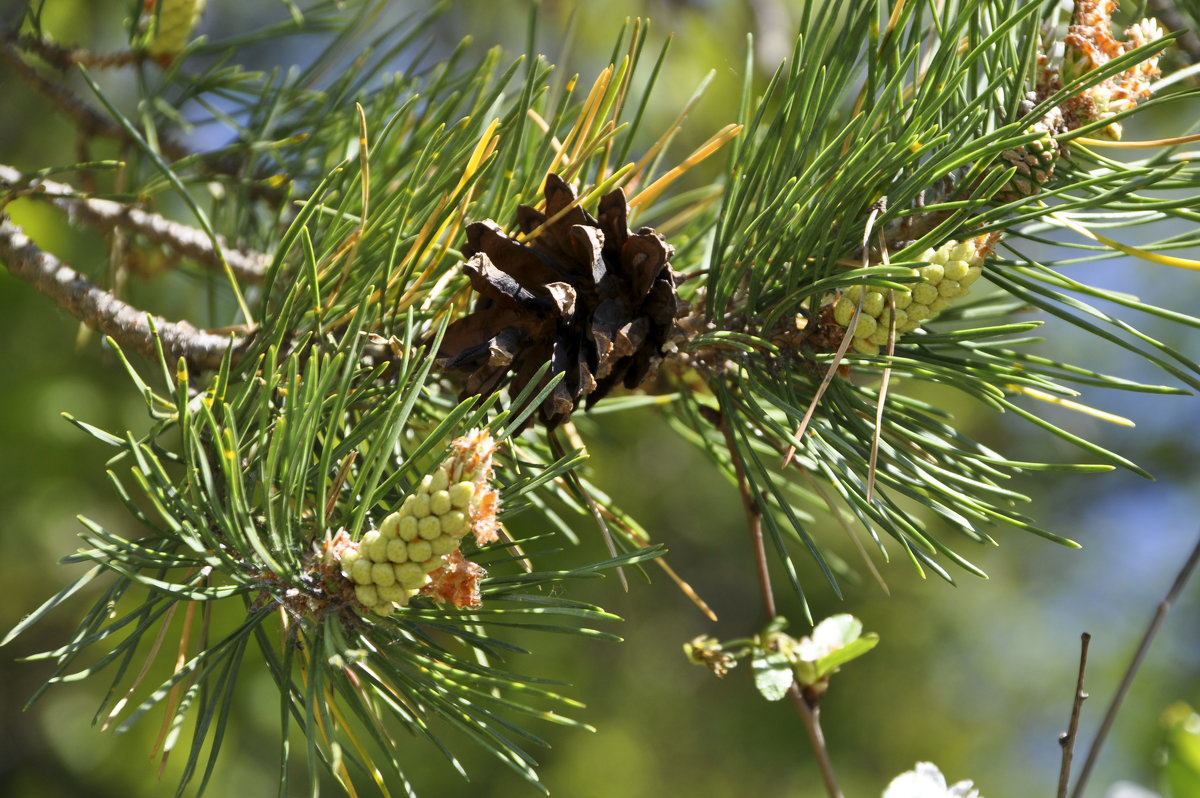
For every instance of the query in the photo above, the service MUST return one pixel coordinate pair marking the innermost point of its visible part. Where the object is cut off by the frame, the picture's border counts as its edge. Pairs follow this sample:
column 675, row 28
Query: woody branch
column 100, row 310
column 184, row 240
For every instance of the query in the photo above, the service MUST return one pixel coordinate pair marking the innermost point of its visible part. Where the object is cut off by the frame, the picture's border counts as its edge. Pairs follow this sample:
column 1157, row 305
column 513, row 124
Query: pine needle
column 1142, row 254
column 1137, row 145
column 1102, row 415
column 647, row 195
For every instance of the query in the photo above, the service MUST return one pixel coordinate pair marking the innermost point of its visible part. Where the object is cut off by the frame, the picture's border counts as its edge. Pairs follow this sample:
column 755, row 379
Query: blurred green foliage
column 976, row 677
column 1181, row 770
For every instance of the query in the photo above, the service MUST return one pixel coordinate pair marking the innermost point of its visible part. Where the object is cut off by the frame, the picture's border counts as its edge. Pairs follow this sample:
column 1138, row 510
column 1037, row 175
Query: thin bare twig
column 67, row 58
column 886, row 378
column 1156, row 621
column 100, row 310
column 808, row 711
column 249, row 267
column 753, row 512
column 1067, row 740
column 811, row 715
column 573, row 436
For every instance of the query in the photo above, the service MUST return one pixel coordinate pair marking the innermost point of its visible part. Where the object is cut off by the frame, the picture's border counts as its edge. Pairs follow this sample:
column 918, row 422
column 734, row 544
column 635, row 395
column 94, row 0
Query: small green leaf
column 772, row 674
column 831, row 662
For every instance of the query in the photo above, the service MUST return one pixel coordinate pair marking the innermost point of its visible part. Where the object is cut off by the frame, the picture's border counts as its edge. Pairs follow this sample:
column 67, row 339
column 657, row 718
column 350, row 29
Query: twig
column 100, row 310
column 808, row 711
column 1067, row 740
column 886, row 378
column 66, row 58
column 1160, row 614
column 640, row 538
column 753, row 514
column 187, row 241
column 811, row 715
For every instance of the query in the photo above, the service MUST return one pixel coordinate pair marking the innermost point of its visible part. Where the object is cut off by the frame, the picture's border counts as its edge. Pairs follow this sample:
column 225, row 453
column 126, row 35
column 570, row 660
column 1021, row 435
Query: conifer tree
column 418, row 278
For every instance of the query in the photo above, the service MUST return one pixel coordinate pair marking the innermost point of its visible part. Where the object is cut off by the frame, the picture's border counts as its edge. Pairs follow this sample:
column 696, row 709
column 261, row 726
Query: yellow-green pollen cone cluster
column 952, row 269
column 171, row 28
column 394, row 562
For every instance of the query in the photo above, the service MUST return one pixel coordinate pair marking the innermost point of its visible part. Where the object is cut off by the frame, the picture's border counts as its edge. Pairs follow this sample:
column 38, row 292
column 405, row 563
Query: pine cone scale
column 587, row 244
column 523, row 264
column 474, row 337
column 502, row 289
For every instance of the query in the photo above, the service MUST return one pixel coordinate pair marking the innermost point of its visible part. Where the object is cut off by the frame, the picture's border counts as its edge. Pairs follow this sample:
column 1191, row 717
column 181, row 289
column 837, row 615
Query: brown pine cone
column 591, row 297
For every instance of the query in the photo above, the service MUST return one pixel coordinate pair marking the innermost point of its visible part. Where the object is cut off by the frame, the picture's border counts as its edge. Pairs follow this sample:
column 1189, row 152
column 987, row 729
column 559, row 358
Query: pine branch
column 247, row 266
column 276, row 483
column 103, row 312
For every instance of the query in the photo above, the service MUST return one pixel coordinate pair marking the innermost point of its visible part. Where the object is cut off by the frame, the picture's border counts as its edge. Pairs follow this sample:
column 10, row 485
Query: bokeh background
column 977, row 677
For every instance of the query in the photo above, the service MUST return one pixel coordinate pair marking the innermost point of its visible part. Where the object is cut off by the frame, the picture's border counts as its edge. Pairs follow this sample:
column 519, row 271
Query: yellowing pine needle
column 603, row 139
column 181, row 659
column 336, row 763
column 1111, row 418
column 617, row 81
column 364, row 159
column 414, row 251
column 483, row 150
column 678, row 123
column 384, row 682
column 652, row 191
column 448, row 232
column 893, row 21
column 1136, row 145
column 559, row 152
column 364, row 755
column 349, row 247
column 591, row 106
column 680, row 219
column 1143, row 254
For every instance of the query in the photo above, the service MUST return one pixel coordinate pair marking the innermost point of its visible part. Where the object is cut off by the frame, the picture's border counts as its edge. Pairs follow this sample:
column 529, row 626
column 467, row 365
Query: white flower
column 926, row 781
